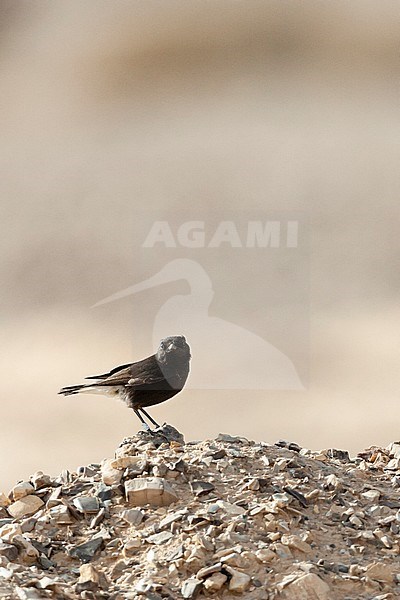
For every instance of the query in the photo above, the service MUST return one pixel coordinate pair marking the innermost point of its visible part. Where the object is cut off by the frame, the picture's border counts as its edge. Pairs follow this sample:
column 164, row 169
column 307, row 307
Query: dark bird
column 144, row 383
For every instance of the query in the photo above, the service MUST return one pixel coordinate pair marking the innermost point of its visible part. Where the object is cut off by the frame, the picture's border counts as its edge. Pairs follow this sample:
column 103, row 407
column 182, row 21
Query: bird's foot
column 160, row 427
column 145, row 427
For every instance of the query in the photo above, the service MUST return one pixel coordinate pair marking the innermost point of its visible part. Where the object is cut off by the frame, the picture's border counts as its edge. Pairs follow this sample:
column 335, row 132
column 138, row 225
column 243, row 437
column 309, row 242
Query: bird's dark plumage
column 144, row 383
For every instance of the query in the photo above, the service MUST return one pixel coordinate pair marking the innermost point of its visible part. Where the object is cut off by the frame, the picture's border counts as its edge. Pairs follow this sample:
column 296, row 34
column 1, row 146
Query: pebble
column 133, row 516
column 86, row 551
column 4, row 500
column 109, row 475
column 9, row 551
column 239, row 582
column 294, row 541
column 215, row 582
column 230, row 509
column 308, row 587
column 61, row 515
column 86, row 504
column 160, row 538
column 24, row 488
column 380, row 572
column 40, row 480
column 27, row 505
column 200, row 488
column 151, row 490
column 89, row 578
column 191, row 587
column 131, row 547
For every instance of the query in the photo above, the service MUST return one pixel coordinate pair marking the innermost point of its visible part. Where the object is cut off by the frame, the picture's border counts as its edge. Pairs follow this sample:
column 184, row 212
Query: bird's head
column 173, row 348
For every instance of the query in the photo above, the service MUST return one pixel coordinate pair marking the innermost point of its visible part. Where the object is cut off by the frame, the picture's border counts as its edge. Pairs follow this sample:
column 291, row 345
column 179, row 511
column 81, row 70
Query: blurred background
column 109, row 109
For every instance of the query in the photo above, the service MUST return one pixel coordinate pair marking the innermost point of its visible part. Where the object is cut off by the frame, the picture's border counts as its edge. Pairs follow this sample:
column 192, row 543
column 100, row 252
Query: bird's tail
column 72, row 389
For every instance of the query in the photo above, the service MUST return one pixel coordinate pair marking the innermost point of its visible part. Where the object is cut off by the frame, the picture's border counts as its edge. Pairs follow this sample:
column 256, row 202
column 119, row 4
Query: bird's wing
column 143, row 372
column 110, row 373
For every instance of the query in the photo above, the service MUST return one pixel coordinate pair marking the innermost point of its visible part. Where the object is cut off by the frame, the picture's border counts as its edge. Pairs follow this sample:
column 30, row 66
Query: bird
column 147, row 382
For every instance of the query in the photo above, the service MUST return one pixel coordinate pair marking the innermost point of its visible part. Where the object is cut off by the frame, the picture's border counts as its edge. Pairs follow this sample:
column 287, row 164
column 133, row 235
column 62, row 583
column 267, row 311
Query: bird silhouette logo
column 226, row 355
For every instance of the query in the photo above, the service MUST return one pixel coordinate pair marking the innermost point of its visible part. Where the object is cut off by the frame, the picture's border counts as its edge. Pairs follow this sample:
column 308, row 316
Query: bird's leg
column 143, row 422
column 150, row 418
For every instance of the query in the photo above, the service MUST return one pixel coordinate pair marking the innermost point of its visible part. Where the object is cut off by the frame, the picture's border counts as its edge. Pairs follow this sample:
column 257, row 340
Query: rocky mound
column 220, row 518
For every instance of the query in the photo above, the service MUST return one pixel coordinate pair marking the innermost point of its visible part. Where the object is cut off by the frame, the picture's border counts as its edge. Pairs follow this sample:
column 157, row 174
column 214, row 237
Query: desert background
column 109, row 109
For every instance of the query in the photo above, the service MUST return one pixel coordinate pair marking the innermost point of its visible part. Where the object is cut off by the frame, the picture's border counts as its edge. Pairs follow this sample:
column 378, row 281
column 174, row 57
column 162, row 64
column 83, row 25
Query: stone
column 200, row 488
column 89, row 579
column 85, row 552
column 40, row 480
column 215, row 582
column 133, row 516
column 27, row 506
column 206, row 571
column 231, row 509
column 265, row 555
column 55, row 498
column 5, row 573
column 45, row 563
column 98, row 518
column 239, row 582
column 109, row 475
column 218, row 454
column 9, row 551
column 136, row 464
column 150, row 490
column 104, row 492
column 293, row 541
column 28, row 593
column 9, row 531
column 29, row 554
column 160, row 538
column 297, row 495
column 308, row 587
column 4, row 500
column 61, row 515
column 371, row 495
column 131, row 547
column 162, row 435
column 89, row 470
column 380, row 572
column 338, row 454
column 191, row 587
column 86, row 504
column 24, row 488
column 225, row 437
column 332, row 482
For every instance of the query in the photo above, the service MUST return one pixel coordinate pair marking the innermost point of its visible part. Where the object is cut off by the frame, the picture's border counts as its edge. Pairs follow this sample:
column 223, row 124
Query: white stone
column 28, row 505
column 265, row 555
column 109, row 475
column 4, row 500
column 133, row 516
column 239, row 582
column 371, row 495
column 293, row 541
column 379, row 572
column 22, row 489
column 308, row 587
column 230, row 509
column 215, row 582
column 149, row 490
